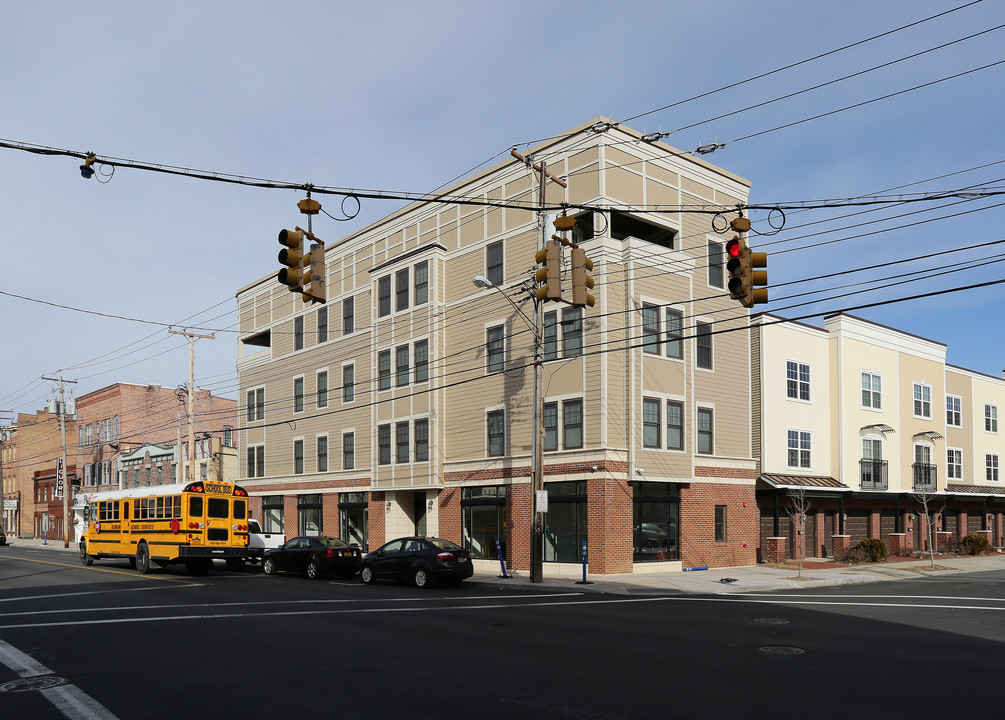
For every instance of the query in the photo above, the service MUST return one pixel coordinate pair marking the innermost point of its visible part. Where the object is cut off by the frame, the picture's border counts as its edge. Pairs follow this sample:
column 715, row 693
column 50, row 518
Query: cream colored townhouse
column 405, row 404
column 869, row 425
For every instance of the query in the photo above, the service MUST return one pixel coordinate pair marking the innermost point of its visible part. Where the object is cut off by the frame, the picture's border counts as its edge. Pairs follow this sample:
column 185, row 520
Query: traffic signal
column 292, row 256
column 315, row 278
column 550, row 272
column 581, row 280
column 743, row 278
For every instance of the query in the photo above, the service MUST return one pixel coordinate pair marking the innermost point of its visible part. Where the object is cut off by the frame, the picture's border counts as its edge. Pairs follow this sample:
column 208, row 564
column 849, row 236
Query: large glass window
column 483, row 511
column 655, row 511
column 565, row 522
column 309, row 515
column 272, row 513
column 353, row 515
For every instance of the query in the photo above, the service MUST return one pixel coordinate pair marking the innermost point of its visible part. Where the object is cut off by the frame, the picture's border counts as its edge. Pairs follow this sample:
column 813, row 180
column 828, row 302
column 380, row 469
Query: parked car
column 419, row 560
column 313, row 556
column 3, row 538
column 259, row 541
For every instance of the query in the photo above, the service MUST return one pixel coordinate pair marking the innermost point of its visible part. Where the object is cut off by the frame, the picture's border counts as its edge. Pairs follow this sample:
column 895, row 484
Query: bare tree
column 926, row 498
column 796, row 507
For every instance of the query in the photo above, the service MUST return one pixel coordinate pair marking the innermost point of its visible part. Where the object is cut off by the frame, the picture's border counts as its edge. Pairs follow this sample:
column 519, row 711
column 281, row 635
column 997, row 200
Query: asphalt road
column 104, row 642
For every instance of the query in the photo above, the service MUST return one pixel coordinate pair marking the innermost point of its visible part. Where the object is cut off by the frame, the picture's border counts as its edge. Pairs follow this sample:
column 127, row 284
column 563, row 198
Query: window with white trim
column 991, row 467
column 922, row 400
column 872, row 390
column 990, row 418
column 954, row 414
column 797, row 380
column 798, row 455
column 954, row 464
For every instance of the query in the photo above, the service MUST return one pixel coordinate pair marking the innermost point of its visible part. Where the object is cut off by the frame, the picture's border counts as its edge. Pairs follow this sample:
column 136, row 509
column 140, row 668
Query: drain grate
column 32, row 684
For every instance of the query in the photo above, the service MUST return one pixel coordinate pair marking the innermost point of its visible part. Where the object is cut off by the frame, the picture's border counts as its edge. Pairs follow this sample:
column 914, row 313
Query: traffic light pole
column 537, row 446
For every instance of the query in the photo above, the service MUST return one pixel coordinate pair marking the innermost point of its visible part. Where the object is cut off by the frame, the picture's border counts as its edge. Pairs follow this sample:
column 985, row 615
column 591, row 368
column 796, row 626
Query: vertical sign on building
column 59, row 477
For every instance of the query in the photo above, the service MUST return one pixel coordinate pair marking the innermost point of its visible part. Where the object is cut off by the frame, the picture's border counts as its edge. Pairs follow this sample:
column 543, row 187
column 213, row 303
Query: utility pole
column 62, row 476
column 191, row 393
column 3, row 439
column 537, row 446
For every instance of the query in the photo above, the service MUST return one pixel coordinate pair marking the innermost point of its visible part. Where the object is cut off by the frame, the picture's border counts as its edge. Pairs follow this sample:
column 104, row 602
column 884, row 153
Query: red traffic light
column 734, row 248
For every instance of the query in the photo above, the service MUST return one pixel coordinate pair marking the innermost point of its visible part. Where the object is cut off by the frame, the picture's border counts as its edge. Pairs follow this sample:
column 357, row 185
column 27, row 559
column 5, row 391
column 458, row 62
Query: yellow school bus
column 192, row 523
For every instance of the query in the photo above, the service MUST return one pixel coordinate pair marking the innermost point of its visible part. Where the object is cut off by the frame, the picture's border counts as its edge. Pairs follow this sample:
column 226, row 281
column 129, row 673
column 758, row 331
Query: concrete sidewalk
column 753, row 578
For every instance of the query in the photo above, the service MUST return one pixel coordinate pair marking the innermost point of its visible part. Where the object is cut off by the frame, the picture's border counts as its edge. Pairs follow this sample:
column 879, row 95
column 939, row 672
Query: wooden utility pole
column 537, row 446
column 191, row 394
column 62, row 474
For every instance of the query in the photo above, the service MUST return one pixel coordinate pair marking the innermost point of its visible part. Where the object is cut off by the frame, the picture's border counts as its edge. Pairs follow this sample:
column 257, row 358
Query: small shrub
column 874, row 549
column 975, row 544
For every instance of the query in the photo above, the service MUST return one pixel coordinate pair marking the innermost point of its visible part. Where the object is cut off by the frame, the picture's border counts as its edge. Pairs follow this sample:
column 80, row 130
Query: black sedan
column 419, row 560
column 313, row 556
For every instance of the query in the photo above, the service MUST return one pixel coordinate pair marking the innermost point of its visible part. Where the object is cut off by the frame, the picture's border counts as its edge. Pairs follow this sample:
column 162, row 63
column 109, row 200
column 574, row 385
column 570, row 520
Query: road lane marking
column 253, row 603
column 132, row 574
column 70, row 700
column 897, row 597
column 87, row 592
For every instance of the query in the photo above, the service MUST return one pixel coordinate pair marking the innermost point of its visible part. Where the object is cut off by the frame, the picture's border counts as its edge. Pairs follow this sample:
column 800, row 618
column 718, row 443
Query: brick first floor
column 627, row 526
column 833, row 524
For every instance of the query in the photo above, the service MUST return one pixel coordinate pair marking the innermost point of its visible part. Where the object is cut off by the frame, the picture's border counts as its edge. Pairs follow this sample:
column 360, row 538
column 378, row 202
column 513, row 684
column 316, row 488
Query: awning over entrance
column 786, row 482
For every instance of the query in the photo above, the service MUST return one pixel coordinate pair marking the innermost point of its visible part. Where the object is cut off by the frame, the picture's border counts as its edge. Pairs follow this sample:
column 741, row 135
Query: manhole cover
column 32, row 684
column 772, row 621
column 782, row 650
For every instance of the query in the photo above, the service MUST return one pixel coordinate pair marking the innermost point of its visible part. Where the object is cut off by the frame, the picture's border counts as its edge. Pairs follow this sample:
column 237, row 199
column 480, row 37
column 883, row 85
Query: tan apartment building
column 870, row 424
column 405, row 404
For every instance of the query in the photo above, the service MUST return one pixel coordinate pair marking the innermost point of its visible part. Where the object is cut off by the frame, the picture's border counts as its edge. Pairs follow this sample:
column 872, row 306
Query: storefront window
column 309, row 514
column 484, row 520
column 565, row 522
column 272, row 513
column 655, row 510
column 352, row 518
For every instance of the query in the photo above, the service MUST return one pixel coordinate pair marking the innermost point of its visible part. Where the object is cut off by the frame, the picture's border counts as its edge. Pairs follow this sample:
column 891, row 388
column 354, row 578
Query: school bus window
column 239, row 509
column 125, row 510
column 177, row 506
column 218, row 508
column 195, row 506
column 160, row 508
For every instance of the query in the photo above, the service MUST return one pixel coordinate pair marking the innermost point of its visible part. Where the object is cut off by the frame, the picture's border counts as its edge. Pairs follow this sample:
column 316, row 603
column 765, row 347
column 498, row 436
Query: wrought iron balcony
column 924, row 476
column 873, row 474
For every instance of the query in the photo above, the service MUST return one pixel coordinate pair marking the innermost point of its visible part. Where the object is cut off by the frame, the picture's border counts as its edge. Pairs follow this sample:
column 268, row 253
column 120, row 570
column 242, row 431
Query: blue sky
column 405, row 96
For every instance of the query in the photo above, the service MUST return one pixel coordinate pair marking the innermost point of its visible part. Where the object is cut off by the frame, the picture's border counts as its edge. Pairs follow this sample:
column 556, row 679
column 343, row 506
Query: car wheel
column 312, row 569
column 269, row 566
column 85, row 559
column 420, row 577
column 142, row 559
column 366, row 575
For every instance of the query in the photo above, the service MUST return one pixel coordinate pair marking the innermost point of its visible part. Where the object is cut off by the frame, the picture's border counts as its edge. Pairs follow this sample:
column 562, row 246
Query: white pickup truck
column 259, row 542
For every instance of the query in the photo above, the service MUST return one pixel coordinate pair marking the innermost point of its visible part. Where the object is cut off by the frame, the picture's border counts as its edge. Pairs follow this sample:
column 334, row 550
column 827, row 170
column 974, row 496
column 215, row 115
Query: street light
column 537, row 461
